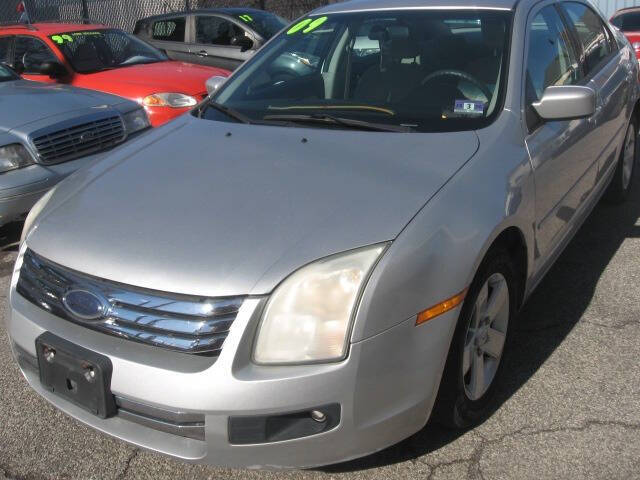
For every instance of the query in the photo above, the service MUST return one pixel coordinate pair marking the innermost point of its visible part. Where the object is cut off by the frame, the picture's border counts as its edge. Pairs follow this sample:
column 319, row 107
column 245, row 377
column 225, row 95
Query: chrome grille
column 80, row 140
column 177, row 322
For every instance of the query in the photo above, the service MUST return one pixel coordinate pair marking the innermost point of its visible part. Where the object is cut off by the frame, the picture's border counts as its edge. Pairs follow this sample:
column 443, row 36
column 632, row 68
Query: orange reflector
column 440, row 308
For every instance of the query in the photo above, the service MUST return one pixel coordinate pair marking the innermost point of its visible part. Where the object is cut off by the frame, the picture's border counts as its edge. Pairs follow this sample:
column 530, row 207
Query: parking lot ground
column 569, row 406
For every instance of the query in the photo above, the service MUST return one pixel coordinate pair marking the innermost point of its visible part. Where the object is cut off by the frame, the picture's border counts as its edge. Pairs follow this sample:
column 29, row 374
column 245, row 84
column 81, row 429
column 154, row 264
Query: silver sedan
column 49, row 131
column 332, row 248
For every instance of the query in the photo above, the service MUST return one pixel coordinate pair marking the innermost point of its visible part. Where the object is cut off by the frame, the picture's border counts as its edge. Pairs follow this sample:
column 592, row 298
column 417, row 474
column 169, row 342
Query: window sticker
column 246, row 18
column 308, row 24
column 299, row 26
column 60, row 39
column 469, row 107
column 68, row 38
column 315, row 24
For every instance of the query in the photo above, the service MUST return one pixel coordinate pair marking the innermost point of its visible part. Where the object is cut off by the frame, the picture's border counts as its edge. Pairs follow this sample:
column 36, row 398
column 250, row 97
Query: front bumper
column 385, row 388
column 20, row 189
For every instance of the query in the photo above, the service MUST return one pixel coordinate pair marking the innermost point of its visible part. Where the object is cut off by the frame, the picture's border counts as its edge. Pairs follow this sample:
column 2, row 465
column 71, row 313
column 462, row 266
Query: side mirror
column 566, row 102
column 245, row 43
column 53, row 69
column 214, row 83
column 17, row 67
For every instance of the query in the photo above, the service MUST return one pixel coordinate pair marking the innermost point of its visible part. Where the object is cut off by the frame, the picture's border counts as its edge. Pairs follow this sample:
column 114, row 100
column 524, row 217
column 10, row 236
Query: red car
column 628, row 20
column 108, row 60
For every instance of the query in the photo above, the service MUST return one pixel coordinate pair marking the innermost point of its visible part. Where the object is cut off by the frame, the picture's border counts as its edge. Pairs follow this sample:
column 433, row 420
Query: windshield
column 266, row 24
column 7, row 74
column 428, row 70
column 96, row 50
column 627, row 22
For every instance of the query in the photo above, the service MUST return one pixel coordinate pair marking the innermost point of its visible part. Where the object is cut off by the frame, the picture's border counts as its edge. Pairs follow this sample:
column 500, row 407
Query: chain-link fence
column 124, row 13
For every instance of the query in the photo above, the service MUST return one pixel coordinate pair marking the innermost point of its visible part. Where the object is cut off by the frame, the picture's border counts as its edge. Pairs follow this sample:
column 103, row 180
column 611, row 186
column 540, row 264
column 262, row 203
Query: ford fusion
column 333, row 247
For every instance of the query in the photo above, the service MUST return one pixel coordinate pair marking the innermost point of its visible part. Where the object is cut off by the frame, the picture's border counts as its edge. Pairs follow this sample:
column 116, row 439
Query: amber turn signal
column 440, row 308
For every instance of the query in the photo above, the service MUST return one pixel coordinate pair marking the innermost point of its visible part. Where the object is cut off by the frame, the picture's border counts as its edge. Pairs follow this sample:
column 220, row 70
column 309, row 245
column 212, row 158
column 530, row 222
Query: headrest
column 395, row 41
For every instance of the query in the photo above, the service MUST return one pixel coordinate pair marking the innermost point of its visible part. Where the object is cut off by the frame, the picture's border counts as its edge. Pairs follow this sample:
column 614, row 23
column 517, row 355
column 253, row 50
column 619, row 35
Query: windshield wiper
column 343, row 122
column 230, row 112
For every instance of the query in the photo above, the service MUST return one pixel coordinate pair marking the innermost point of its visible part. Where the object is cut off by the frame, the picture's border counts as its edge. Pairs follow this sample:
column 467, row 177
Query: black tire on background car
column 622, row 181
column 480, row 343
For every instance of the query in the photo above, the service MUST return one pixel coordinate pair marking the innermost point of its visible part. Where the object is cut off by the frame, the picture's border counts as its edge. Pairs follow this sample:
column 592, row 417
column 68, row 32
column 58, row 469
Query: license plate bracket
column 76, row 374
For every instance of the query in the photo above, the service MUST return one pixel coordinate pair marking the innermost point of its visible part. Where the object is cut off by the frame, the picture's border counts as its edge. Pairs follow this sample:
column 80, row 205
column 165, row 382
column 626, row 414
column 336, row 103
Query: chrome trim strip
column 195, row 431
column 177, row 417
column 177, row 322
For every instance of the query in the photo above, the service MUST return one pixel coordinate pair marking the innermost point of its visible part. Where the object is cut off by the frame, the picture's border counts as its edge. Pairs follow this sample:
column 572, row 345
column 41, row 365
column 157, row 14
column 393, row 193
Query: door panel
column 613, row 94
column 604, row 65
column 564, row 163
column 169, row 35
column 213, row 36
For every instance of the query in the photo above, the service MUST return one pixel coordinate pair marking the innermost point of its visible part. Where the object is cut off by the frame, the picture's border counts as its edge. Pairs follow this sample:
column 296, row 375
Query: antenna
column 24, row 13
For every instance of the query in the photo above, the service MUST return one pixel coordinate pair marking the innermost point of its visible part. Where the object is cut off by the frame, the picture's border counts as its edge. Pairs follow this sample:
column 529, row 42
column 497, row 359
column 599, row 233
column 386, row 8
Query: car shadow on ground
column 548, row 317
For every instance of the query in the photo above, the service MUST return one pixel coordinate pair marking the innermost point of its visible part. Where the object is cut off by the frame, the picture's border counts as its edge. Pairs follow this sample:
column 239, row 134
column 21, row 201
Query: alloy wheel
column 485, row 337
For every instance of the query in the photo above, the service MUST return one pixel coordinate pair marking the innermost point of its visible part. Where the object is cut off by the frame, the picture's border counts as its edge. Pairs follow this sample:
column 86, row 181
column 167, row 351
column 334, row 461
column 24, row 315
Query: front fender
column 437, row 255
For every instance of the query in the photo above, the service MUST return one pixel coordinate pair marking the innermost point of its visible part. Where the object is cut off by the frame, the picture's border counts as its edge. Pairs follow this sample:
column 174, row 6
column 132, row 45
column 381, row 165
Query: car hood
column 23, row 102
column 137, row 81
column 215, row 209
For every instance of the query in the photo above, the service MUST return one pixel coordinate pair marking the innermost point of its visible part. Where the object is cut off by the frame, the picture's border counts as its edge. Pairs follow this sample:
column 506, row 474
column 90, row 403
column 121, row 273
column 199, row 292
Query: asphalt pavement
column 569, row 406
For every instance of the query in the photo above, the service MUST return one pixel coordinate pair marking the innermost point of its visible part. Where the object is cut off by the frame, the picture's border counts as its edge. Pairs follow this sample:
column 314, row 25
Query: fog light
column 318, row 416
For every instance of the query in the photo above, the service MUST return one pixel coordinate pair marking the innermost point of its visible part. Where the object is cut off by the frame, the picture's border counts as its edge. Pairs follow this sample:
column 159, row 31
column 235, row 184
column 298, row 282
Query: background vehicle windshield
column 627, row 22
column 7, row 74
column 266, row 24
column 96, row 50
column 432, row 70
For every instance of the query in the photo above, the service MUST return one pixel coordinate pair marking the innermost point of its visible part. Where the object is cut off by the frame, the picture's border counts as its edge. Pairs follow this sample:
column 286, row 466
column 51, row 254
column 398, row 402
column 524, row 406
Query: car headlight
column 308, row 317
column 175, row 100
column 34, row 212
column 135, row 121
column 14, row 156
column 636, row 46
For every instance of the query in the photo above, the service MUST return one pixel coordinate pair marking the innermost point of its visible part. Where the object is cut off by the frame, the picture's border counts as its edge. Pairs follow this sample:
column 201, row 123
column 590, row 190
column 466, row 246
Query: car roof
column 368, row 5
column 50, row 28
column 625, row 10
column 224, row 11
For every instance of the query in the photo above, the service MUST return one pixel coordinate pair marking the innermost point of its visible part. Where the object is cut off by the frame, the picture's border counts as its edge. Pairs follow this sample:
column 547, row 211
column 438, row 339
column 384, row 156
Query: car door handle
column 202, row 53
column 596, row 114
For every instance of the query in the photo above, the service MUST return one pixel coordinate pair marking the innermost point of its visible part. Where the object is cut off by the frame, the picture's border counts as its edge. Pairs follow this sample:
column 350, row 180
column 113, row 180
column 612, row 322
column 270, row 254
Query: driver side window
column 32, row 53
column 212, row 30
column 551, row 60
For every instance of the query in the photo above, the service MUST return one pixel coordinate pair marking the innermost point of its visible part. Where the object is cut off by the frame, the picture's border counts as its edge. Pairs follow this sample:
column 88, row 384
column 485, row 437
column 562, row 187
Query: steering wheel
column 458, row 74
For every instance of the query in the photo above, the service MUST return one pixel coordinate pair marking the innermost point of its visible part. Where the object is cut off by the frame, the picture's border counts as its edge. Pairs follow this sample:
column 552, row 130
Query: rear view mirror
column 214, row 83
column 566, row 102
column 53, row 69
column 243, row 42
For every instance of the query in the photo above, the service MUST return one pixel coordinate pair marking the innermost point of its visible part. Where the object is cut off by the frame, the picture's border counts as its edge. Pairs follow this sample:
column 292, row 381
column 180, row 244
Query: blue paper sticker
column 469, row 107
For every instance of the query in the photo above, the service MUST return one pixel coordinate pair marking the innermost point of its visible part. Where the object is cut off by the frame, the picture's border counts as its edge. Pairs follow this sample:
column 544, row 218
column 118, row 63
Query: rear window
column 266, row 24
column 169, row 30
column 628, row 22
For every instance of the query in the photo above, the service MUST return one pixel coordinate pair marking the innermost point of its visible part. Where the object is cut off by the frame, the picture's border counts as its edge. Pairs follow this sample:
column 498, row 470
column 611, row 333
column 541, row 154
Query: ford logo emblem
column 87, row 136
column 84, row 304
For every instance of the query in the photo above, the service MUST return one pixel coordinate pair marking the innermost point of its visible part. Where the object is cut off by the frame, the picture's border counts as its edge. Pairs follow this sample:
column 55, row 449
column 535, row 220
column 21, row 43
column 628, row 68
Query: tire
column 622, row 182
column 463, row 402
